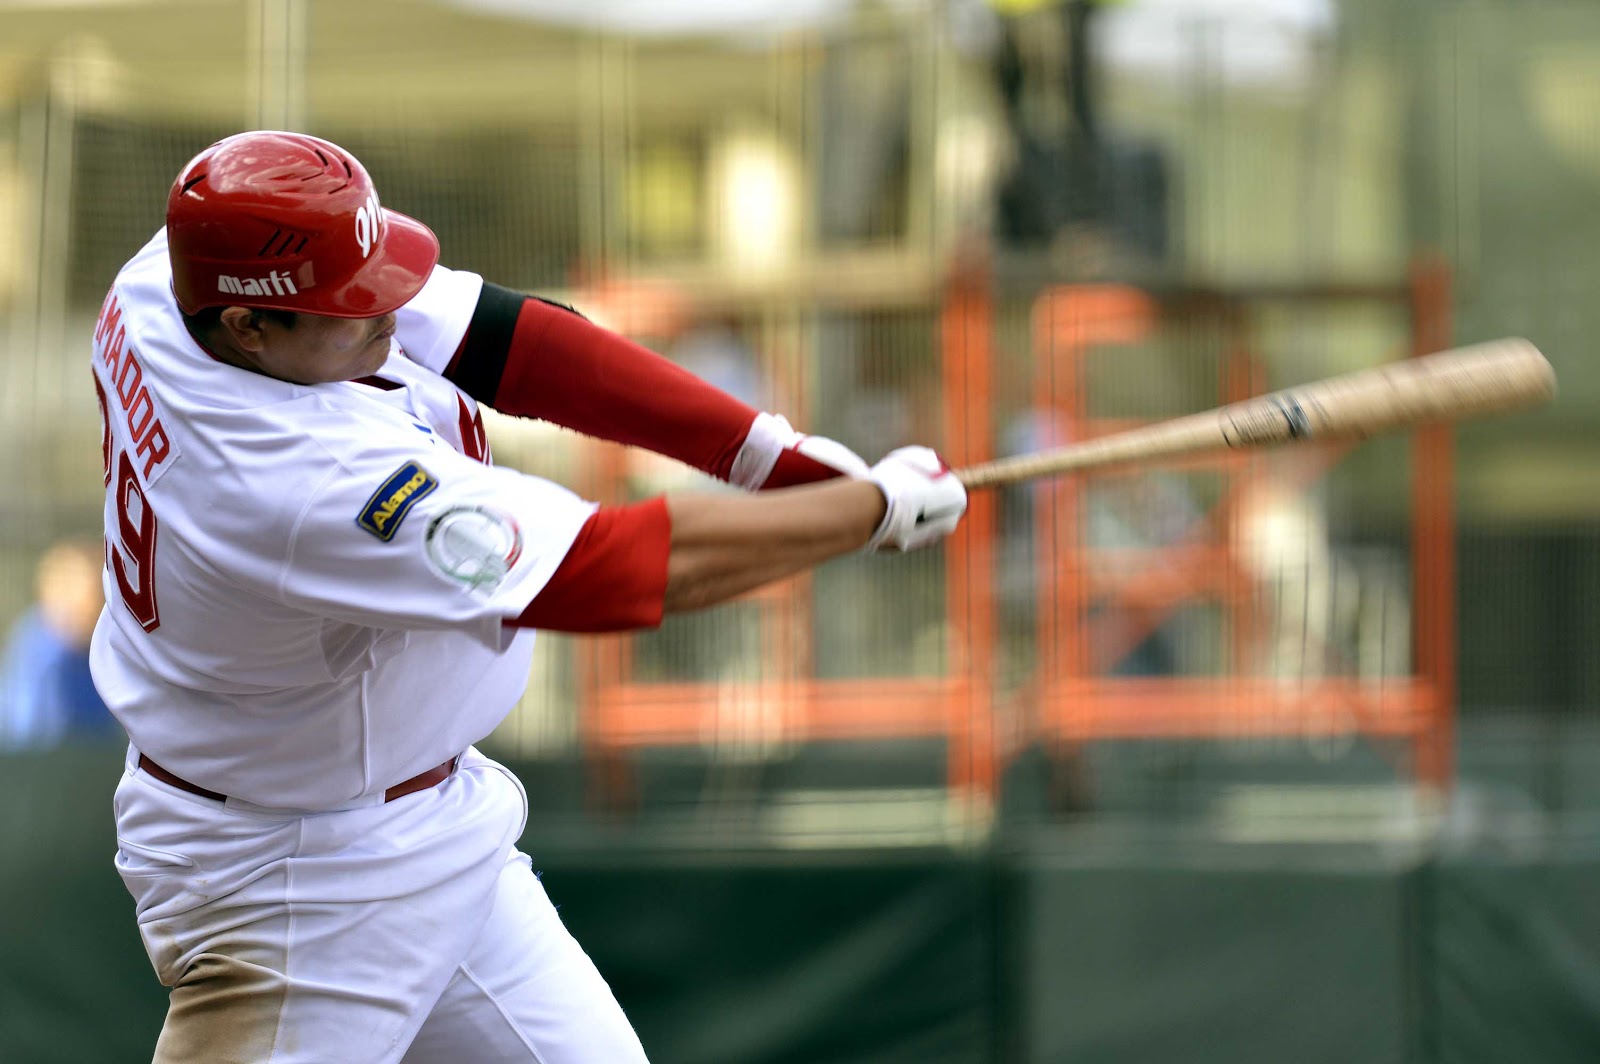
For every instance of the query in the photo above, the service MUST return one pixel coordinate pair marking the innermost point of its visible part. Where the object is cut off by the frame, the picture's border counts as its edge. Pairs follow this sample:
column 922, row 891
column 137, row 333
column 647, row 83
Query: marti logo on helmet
column 273, row 284
column 369, row 219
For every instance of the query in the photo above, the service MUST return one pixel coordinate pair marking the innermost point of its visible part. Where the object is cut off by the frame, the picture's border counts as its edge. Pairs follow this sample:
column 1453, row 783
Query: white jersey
column 307, row 585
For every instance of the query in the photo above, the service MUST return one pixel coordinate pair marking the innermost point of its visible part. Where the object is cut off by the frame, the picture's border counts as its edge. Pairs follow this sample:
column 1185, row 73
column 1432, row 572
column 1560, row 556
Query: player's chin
column 373, row 358
column 354, row 369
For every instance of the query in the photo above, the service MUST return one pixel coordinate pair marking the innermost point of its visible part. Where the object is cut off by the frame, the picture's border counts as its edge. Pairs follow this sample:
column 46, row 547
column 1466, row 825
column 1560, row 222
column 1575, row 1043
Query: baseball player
column 321, row 593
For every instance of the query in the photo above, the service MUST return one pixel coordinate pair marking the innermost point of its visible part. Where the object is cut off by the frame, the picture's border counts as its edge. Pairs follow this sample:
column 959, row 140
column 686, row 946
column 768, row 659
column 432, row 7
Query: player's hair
column 203, row 321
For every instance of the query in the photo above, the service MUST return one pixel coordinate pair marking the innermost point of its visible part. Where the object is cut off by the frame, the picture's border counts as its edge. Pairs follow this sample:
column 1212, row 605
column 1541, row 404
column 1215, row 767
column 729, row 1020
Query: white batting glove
column 770, row 436
column 925, row 499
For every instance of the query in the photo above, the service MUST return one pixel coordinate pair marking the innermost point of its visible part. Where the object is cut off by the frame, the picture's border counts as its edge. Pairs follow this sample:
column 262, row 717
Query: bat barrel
column 1489, row 378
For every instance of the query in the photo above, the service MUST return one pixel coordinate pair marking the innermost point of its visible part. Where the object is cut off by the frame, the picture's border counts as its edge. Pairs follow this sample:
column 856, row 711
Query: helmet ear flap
column 291, row 222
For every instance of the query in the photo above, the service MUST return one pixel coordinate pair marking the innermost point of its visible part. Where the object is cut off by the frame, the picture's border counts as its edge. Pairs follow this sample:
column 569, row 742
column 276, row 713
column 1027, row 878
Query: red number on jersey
column 138, row 544
column 136, row 536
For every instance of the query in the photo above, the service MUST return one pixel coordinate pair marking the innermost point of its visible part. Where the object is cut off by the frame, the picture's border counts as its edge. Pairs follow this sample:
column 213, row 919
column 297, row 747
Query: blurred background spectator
column 47, row 696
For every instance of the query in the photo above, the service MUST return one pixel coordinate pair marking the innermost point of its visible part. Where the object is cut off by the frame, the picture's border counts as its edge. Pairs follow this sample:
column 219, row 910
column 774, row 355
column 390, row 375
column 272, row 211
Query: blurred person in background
column 47, row 695
column 715, row 349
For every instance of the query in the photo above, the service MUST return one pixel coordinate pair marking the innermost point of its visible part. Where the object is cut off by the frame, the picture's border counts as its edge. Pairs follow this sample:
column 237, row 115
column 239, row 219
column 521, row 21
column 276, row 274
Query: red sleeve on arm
column 614, row 577
column 566, row 370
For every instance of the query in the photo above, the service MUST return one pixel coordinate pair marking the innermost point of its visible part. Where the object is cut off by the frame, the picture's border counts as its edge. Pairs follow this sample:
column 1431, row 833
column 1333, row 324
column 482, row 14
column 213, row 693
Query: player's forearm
column 630, row 565
column 723, row 546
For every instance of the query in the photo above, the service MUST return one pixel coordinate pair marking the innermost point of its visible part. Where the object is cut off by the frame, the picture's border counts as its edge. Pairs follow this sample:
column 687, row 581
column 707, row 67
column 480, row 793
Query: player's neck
column 216, row 344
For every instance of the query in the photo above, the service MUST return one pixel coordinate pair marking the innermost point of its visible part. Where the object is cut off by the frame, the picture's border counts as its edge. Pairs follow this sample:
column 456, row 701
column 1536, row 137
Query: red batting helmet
column 290, row 222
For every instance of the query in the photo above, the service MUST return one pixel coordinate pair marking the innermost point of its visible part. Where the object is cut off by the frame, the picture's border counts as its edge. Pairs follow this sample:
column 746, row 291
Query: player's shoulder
column 431, row 325
column 249, row 476
column 336, row 421
column 154, row 250
column 142, row 289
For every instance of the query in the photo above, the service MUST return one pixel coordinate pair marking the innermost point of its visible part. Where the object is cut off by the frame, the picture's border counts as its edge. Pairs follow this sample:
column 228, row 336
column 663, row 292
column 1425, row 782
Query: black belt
column 420, row 782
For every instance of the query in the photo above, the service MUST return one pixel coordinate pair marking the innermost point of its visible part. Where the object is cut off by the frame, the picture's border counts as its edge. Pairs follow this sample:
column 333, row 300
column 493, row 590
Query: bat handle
column 996, row 474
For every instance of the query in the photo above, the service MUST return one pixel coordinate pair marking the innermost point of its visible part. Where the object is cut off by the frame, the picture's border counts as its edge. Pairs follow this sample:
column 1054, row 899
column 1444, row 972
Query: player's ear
column 246, row 327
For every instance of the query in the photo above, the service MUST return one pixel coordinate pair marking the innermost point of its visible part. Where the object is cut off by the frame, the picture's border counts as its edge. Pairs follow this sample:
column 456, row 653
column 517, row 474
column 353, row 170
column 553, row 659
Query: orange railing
column 1075, row 696
column 1072, row 696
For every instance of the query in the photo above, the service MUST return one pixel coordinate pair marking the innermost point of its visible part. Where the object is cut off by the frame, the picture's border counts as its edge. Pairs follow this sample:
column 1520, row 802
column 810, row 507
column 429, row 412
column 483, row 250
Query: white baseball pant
column 410, row 932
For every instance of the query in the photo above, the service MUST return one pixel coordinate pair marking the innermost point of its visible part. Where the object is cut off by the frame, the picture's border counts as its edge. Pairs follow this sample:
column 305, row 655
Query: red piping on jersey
column 380, row 383
column 614, row 577
column 474, row 439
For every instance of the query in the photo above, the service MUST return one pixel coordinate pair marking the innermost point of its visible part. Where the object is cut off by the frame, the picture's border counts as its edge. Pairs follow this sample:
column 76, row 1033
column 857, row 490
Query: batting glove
column 925, row 499
column 774, row 455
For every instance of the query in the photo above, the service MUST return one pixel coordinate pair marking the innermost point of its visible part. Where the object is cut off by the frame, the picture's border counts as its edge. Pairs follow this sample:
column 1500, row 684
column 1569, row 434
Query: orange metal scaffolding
column 1071, row 698
column 1075, row 697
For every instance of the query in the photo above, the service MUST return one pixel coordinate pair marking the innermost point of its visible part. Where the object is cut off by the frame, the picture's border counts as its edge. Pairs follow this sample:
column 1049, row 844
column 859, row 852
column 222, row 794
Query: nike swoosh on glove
column 774, row 455
column 925, row 499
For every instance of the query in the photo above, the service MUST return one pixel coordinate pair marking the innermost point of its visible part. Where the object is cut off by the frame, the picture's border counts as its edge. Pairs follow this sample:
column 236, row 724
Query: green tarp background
column 1040, row 948
column 1514, row 972
column 1168, row 959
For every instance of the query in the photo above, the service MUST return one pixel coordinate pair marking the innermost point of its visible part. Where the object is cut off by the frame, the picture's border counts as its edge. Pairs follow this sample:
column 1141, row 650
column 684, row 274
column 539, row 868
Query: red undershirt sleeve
column 614, row 576
column 526, row 356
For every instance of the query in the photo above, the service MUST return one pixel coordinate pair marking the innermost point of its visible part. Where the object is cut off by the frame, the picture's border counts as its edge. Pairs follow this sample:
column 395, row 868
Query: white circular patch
column 473, row 545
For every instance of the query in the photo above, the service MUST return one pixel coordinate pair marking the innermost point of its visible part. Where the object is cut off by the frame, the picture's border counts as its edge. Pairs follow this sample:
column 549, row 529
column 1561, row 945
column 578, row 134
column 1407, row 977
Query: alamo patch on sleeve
column 394, row 499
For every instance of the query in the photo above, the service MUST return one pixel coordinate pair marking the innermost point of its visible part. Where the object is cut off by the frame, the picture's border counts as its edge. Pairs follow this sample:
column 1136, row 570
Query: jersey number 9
column 131, row 556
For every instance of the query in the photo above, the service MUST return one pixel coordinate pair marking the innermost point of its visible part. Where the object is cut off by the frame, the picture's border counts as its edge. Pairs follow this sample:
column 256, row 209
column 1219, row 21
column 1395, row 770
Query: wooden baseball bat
column 1465, row 382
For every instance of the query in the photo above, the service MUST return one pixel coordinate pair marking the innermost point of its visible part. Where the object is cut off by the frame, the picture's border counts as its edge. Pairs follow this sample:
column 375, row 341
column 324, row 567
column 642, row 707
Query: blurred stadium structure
column 992, row 227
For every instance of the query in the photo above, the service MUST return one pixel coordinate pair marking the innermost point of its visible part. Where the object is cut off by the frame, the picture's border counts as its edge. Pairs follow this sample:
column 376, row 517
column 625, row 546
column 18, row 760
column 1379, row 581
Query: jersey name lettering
column 273, row 284
column 124, row 374
column 119, row 384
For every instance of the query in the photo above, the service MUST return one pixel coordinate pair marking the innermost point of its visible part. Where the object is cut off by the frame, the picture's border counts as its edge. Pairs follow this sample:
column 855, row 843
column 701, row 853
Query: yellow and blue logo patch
column 394, row 499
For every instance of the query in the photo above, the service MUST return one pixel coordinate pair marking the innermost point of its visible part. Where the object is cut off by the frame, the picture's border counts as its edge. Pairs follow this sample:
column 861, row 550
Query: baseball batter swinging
column 321, row 593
